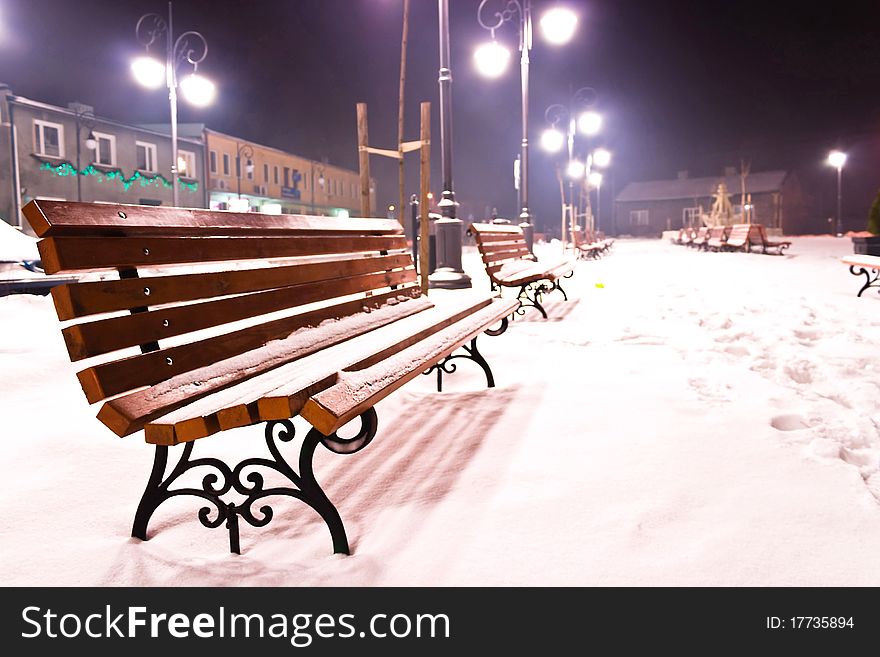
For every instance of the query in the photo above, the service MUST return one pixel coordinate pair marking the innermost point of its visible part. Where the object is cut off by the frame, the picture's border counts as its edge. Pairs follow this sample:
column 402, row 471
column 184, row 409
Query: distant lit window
column 146, row 156
column 638, row 218
column 249, row 168
column 186, row 164
column 213, row 161
column 105, row 152
column 48, row 138
column 225, row 164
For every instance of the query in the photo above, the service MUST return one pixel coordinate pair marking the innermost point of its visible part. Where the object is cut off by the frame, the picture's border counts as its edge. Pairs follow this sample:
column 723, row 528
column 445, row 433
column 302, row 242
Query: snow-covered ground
column 686, row 419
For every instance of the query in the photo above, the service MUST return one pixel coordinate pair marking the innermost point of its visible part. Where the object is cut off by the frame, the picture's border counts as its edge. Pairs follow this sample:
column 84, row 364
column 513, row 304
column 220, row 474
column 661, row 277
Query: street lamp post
column 190, row 47
column 248, row 152
column 837, row 159
column 85, row 118
column 558, row 25
column 449, row 272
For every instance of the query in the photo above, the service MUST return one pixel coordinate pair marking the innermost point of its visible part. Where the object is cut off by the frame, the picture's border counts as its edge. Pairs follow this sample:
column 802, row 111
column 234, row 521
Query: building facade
column 648, row 208
column 68, row 153
column 248, row 177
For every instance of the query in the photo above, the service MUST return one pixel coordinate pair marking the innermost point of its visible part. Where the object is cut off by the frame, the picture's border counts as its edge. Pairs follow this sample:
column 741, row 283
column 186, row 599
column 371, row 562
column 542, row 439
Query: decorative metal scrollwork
column 247, row 480
column 869, row 280
column 446, row 366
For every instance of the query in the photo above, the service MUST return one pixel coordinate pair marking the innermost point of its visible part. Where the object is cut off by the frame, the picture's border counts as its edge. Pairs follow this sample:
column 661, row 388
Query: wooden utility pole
column 425, row 187
column 363, row 158
column 400, row 108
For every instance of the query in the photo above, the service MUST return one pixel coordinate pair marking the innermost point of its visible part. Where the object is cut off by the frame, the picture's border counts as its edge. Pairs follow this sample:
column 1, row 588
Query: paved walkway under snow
column 686, row 419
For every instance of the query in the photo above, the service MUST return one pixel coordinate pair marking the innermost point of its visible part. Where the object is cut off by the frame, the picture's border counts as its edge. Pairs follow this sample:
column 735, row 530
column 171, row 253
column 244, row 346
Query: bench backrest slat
column 499, row 245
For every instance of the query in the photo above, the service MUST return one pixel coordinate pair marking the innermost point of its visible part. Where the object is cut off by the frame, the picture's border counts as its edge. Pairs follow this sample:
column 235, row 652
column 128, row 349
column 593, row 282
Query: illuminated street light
column 558, row 25
column 589, row 123
column 190, row 47
column 575, row 169
column 552, row 140
column 837, row 159
column 491, row 59
column 601, row 158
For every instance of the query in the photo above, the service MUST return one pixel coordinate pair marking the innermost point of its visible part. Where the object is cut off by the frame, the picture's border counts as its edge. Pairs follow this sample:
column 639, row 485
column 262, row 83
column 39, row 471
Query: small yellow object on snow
column 600, row 285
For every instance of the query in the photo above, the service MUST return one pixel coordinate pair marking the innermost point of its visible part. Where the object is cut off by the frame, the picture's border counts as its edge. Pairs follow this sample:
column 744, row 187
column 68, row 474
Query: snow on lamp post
column 190, row 47
column 557, row 26
column 837, row 159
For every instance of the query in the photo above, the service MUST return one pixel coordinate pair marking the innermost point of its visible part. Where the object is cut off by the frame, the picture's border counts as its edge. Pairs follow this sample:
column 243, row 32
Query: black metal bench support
column 245, row 479
column 446, row 366
column 869, row 280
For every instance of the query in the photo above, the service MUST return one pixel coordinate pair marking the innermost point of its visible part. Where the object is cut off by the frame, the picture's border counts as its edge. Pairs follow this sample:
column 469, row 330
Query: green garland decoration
column 64, row 169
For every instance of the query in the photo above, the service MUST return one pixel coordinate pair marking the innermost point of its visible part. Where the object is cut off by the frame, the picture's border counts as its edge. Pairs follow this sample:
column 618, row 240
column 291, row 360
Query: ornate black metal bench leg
column 246, row 480
column 534, row 300
column 472, row 353
column 869, row 282
column 557, row 286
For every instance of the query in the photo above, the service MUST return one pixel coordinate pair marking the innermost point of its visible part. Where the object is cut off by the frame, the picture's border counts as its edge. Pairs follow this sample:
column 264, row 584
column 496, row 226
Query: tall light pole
column 85, row 118
column 248, row 152
column 190, row 47
column 837, row 159
column 449, row 272
column 558, row 25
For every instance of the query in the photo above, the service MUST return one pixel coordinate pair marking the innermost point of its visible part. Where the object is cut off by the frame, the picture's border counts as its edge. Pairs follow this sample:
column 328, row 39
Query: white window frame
column 212, row 161
column 190, row 158
column 152, row 155
column 249, row 174
column 637, row 215
column 40, row 143
column 689, row 216
column 97, row 154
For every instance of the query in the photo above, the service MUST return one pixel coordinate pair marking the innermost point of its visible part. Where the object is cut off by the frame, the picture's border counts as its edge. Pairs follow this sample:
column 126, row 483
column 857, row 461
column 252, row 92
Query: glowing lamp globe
column 589, row 123
column 148, row 71
column 601, row 158
column 198, row 90
column 837, row 159
column 558, row 25
column 552, row 140
column 575, row 169
column 595, row 179
column 491, row 59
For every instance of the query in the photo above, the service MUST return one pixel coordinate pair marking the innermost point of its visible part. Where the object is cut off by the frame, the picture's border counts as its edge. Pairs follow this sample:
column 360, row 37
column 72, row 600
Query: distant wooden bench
column 587, row 248
column 220, row 320
column 699, row 240
column 717, row 238
column 758, row 237
column 509, row 263
column 738, row 239
column 864, row 265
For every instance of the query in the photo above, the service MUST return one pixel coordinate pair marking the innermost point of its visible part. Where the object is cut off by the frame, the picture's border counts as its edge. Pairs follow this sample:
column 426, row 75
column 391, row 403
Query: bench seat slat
column 129, row 413
column 71, row 254
column 92, row 298
column 359, row 390
column 286, row 388
column 57, row 218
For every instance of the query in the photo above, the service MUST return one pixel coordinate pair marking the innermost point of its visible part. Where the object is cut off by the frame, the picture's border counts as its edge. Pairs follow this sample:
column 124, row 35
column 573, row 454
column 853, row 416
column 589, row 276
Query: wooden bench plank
column 91, row 298
column 71, row 254
column 59, row 218
column 358, row 390
column 127, row 414
column 281, row 393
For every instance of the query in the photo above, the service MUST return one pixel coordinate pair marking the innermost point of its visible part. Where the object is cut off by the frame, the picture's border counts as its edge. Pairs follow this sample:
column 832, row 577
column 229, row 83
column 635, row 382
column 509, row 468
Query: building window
column 275, row 175
column 225, row 164
column 48, row 138
column 105, row 152
column 638, row 218
column 690, row 216
column 146, row 156
column 266, row 173
column 287, row 176
column 186, row 164
column 213, row 161
column 249, row 169
column 305, row 182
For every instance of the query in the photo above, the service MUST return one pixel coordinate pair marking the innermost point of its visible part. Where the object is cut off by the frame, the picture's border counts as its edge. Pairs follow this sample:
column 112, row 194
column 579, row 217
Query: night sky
column 682, row 85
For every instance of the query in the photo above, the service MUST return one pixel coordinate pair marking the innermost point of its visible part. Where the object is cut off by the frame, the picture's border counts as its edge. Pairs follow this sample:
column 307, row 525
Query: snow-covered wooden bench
column 509, row 263
column 699, row 240
column 219, row 320
column 758, row 237
column 717, row 238
column 738, row 240
column 864, row 265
